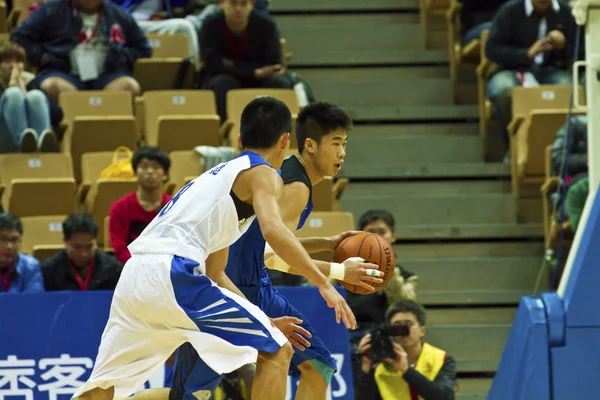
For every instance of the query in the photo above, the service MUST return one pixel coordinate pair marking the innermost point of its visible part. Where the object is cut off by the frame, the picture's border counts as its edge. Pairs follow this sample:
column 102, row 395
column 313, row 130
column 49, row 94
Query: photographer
column 397, row 365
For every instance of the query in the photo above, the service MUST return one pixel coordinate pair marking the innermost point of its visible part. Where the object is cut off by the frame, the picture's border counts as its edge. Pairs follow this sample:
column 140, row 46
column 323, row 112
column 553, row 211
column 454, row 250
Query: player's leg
column 313, row 384
column 232, row 331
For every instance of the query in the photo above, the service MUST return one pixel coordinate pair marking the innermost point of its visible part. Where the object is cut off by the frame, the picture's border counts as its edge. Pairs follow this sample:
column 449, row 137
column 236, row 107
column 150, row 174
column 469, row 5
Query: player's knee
column 309, row 371
column 285, row 353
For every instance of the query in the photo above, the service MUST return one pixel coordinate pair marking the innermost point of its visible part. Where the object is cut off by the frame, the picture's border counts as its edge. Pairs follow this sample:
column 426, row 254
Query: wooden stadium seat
column 432, row 13
column 239, row 98
column 96, row 121
column 326, row 194
column 484, row 71
column 37, row 184
column 186, row 118
column 160, row 71
column 44, row 252
column 44, row 230
column 326, row 223
column 107, row 244
column 186, row 165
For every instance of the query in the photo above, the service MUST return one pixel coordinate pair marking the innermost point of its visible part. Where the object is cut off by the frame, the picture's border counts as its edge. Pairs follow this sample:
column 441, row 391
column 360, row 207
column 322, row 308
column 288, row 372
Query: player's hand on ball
column 360, row 273
column 290, row 327
column 335, row 300
column 337, row 239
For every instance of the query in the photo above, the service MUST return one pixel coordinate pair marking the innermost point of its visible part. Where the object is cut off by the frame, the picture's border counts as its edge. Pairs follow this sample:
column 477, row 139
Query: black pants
column 221, row 84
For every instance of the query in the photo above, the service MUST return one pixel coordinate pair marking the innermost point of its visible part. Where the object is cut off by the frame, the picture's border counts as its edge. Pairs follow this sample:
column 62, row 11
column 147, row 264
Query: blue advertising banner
column 49, row 341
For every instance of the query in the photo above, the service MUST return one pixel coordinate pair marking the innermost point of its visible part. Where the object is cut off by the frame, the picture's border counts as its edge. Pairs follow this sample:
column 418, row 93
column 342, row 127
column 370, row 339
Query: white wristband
column 337, row 271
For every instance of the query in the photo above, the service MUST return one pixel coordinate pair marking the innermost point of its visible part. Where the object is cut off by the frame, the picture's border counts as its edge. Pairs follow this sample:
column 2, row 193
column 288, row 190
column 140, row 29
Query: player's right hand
column 335, row 300
column 360, row 273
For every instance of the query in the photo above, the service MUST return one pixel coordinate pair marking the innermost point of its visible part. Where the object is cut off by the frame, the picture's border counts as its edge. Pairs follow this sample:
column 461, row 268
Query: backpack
column 121, row 167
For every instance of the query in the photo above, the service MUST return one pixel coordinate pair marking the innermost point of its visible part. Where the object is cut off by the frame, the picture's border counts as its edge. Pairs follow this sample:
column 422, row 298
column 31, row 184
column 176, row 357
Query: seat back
column 322, row 195
column 168, row 46
column 175, row 102
column 44, row 230
column 541, row 97
column 92, row 164
column 95, row 103
column 326, row 223
column 186, row 132
column 184, row 165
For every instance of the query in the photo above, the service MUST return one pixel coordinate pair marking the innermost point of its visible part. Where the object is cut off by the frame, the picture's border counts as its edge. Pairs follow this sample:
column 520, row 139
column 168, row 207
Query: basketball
column 373, row 249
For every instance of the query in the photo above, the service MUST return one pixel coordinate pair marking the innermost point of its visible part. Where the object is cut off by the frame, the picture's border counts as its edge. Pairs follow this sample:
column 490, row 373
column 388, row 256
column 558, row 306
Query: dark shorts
column 97, row 84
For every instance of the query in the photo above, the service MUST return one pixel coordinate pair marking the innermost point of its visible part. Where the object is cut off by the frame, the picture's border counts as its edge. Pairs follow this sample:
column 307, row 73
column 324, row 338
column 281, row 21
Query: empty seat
column 45, row 230
column 168, row 46
column 185, row 166
column 45, row 251
column 239, row 98
column 97, row 121
column 180, row 120
column 37, row 184
column 323, row 224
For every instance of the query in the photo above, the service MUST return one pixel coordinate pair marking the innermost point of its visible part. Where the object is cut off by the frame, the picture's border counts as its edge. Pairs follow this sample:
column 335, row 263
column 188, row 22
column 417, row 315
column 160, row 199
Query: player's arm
column 215, row 270
column 266, row 187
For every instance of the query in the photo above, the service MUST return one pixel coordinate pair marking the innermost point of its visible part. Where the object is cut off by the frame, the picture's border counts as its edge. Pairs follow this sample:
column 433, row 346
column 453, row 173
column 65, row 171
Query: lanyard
column 83, row 284
column 237, row 52
column 86, row 38
column 5, row 278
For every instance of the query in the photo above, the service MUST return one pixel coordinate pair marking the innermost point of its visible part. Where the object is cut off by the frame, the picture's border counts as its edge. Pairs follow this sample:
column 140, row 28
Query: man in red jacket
column 133, row 212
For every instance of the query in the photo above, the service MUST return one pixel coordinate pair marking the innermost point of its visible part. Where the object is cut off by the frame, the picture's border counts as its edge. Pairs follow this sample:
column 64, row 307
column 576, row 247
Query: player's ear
column 310, row 145
column 239, row 140
column 285, row 140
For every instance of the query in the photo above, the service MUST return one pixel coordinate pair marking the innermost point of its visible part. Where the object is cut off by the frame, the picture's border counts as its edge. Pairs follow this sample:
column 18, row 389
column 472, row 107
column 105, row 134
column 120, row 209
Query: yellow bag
column 121, row 166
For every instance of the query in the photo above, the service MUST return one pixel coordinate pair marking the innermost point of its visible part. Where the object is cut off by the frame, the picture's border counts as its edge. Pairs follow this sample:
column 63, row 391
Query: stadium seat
column 37, row 184
column 326, row 223
column 44, row 230
column 432, row 14
column 160, row 71
column 44, row 252
column 106, row 242
column 326, row 194
column 239, row 98
column 484, row 72
column 181, row 120
column 96, row 121
column 186, row 165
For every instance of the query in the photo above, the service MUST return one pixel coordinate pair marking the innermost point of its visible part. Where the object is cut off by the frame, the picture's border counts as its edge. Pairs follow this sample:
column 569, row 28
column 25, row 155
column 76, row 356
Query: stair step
column 366, row 131
column 426, row 188
column 318, row 76
column 409, row 112
column 470, row 231
column 473, row 388
column 406, row 251
column 476, row 280
column 343, row 5
column 307, row 57
column 364, row 169
column 417, row 147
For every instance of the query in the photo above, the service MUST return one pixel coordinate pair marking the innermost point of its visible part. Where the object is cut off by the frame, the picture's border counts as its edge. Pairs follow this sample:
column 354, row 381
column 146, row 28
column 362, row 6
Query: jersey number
column 172, row 202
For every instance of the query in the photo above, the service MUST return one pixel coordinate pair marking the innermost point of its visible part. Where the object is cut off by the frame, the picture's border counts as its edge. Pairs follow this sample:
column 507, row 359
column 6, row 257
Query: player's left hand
column 400, row 362
column 290, row 327
column 334, row 241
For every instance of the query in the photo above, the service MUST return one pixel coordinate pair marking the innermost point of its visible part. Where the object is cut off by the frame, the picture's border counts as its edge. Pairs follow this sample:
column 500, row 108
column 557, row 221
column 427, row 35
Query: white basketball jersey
column 201, row 218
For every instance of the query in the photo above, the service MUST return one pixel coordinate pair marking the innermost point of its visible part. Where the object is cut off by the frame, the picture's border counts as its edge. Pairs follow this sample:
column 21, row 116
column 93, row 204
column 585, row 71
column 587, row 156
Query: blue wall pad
column 523, row 373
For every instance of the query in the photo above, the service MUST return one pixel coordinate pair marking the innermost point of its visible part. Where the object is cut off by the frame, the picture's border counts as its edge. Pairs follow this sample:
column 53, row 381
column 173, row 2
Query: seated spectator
column 130, row 215
column 82, row 45
column 577, row 195
column 24, row 114
column 19, row 273
column 532, row 41
column 156, row 16
column 476, row 16
column 577, row 151
column 417, row 368
column 81, row 266
column 240, row 49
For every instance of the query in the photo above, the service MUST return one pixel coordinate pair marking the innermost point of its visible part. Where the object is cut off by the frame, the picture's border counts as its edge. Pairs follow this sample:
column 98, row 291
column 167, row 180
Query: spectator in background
column 81, row 266
column 577, row 151
column 130, row 215
column 24, row 115
column 532, row 41
column 156, row 16
column 577, row 195
column 19, row 273
column 82, row 45
column 418, row 369
column 240, row 49
column 476, row 16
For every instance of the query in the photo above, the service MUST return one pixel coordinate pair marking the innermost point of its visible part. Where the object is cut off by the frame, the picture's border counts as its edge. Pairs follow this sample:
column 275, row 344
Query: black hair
column 79, row 223
column 320, row 119
column 11, row 221
column 406, row 306
column 374, row 215
column 152, row 153
column 263, row 122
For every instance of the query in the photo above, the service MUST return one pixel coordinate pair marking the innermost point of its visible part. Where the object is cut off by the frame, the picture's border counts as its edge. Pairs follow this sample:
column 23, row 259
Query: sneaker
column 28, row 141
column 47, row 142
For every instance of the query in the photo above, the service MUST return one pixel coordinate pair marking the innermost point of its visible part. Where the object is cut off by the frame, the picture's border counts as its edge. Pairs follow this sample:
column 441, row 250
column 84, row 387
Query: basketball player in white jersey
column 174, row 289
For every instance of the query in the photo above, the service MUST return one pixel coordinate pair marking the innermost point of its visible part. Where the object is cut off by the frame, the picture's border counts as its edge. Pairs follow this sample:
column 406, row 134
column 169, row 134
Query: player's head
column 322, row 133
column 11, row 232
column 411, row 314
column 380, row 222
column 79, row 235
column 151, row 166
column 266, row 125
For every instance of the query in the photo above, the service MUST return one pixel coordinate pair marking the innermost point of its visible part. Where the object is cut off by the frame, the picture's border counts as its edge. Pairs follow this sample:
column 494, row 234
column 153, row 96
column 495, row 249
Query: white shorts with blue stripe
column 159, row 304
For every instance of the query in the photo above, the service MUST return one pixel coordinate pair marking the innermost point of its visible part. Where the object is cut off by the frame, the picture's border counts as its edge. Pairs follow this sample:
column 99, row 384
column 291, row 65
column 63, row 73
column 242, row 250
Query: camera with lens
column 381, row 341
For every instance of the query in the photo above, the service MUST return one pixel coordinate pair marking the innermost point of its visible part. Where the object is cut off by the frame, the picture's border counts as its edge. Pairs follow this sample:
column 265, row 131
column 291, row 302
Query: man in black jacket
column 240, row 49
column 81, row 266
column 82, row 45
column 530, row 40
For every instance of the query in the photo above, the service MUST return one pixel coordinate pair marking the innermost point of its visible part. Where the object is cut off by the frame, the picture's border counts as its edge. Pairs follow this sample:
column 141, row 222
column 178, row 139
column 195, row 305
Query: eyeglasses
column 10, row 240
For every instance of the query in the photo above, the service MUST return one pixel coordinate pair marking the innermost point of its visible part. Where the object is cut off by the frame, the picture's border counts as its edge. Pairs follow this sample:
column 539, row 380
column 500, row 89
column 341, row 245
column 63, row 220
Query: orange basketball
column 373, row 249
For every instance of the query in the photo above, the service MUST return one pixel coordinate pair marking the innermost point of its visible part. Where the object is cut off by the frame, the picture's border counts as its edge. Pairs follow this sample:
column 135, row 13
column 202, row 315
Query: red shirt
column 127, row 220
